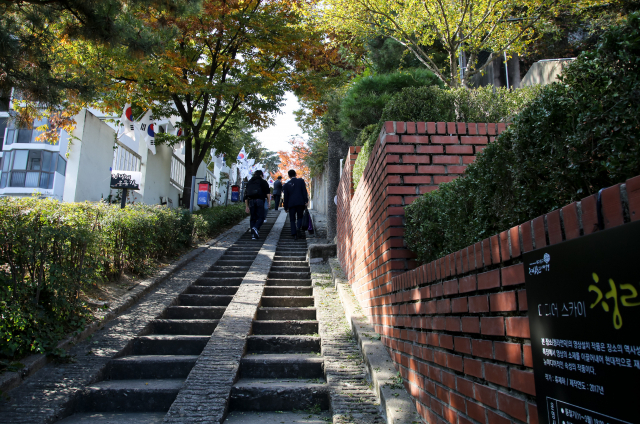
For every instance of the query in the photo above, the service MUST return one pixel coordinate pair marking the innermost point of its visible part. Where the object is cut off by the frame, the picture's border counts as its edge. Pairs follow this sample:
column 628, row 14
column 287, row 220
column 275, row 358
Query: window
column 3, row 126
column 25, row 135
column 62, row 166
column 30, row 168
column 20, row 159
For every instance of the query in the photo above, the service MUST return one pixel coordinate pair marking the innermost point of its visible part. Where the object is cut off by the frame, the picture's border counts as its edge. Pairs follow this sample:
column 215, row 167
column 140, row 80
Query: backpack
column 253, row 190
column 277, row 188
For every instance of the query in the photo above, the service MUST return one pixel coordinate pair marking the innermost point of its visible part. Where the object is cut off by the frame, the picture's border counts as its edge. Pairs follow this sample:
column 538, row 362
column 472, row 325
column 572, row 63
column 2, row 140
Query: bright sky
column 275, row 137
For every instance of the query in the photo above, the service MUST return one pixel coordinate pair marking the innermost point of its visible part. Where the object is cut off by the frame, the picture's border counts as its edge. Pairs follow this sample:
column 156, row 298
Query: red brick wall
column 456, row 328
column 408, row 159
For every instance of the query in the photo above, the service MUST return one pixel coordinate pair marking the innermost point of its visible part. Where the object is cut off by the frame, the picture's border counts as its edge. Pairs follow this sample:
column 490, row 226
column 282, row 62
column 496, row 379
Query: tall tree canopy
column 229, row 63
column 469, row 26
column 31, row 57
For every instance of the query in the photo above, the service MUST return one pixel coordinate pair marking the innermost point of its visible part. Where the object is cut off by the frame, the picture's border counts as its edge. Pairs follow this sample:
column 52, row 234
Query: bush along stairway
column 143, row 381
column 283, row 369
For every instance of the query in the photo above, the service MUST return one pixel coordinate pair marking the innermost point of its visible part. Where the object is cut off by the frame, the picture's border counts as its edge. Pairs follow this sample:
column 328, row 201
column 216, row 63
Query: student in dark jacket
column 296, row 200
column 255, row 203
column 277, row 190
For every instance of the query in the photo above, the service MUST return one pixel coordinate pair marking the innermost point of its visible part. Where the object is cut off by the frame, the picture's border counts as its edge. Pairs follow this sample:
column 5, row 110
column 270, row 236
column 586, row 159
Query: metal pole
column 506, row 69
column 123, row 201
column 193, row 185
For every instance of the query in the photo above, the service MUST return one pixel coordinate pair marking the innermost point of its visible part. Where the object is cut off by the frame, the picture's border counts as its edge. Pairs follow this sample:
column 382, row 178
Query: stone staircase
column 140, row 385
column 283, row 369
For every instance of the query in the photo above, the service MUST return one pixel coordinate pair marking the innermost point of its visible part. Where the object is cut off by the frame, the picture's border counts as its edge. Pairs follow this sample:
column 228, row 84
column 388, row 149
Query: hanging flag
column 251, row 162
column 127, row 120
column 242, row 156
column 220, row 160
column 232, row 173
column 175, row 120
column 145, row 130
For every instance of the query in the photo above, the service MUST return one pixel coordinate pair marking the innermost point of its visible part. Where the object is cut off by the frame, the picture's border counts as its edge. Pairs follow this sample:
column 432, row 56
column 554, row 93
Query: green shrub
column 367, row 139
column 221, row 217
column 420, row 104
column 50, row 252
column 575, row 138
column 367, row 96
column 433, row 104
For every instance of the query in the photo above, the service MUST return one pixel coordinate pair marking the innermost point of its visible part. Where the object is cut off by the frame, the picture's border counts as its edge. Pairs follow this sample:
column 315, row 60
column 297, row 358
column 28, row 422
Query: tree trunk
column 453, row 65
column 189, row 171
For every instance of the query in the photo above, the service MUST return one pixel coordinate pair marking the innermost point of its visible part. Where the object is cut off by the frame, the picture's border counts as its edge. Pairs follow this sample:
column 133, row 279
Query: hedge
column 434, row 104
column 51, row 251
column 576, row 137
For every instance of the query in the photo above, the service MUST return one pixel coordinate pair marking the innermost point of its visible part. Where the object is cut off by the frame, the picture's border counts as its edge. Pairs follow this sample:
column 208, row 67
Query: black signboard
column 125, row 180
column 584, row 314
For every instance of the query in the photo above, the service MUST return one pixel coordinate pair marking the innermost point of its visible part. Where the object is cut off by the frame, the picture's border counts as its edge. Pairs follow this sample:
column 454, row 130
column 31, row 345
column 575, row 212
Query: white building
column 30, row 167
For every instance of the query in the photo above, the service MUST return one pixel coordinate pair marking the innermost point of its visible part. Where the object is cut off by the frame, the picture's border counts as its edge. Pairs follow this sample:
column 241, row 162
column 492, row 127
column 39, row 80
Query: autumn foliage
column 294, row 160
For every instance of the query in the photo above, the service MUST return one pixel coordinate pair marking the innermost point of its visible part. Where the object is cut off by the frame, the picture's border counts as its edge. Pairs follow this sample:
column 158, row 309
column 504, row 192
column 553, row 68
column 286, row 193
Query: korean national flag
column 242, row 156
column 127, row 120
column 145, row 130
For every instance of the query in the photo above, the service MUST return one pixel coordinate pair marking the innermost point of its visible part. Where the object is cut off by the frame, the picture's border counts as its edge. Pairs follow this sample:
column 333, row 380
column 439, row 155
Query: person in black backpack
column 296, row 200
column 255, row 194
column 277, row 190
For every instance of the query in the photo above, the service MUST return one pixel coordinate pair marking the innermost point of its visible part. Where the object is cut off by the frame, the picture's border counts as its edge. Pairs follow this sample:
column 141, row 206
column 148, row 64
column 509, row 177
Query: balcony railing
column 177, row 172
column 27, row 179
column 125, row 159
column 15, row 135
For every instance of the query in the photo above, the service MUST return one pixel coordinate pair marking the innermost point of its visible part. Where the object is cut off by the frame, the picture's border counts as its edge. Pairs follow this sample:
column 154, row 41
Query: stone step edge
column 33, row 363
column 397, row 404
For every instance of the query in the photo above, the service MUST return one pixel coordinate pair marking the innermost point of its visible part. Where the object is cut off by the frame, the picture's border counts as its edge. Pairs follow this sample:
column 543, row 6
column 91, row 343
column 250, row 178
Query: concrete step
column 250, row 244
column 286, row 301
column 240, row 256
column 289, row 268
column 169, row 344
column 233, row 262
column 258, row 394
column 289, row 275
column 300, row 250
column 204, row 300
column 291, row 253
column 283, row 344
column 244, row 250
column 194, row 312
column 301, row 258
column 130, row 395
column 288, row 291
column 226, row 290
column 281, row 263
column 194, row 327
column 218, row 268
column 282, row 327
column 299, row 314
column 150, row 367
column 291, row 243
column 118, row 418
column 226, row 274
column 218, row 281
column 287, row 282
column 282, row 365
column 279, row 417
